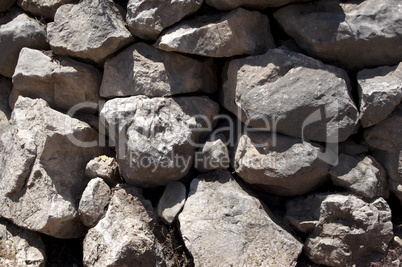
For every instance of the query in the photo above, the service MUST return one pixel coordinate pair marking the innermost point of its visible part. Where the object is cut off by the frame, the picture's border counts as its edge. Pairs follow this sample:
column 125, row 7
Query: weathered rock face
column 343, row 229
column 354, row 34
column 61, row 81
column 216, row 35
column 144, row 70
column 124, row 237
column 17, row 30
column 72, row 32
column 380, row 92
column 214, row 155
column 19, row 247
column 43, row 8
column 172, row 201
column 105, row 168
column 362, row 175
column 155, row 137
column 42, row 175
column 254, row 4
column 285, row 91
column 6, row 4
column 392, row 162
column 279, row 164
column 223, row 225
column 5, row 111
column 148, row 18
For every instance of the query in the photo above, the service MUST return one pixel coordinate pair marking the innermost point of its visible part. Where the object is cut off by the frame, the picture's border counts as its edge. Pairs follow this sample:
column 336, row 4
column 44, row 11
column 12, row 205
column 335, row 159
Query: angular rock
column 363, row 175
column 43, row 8
column 144, row 70
column 280, row 164
column 214, row 155
column 42, row 157
column 354, row 34
column 349, row 147
column 6, row 4
column 91, row 30
column 124, row 237
column 93, row 202
column 253, row 4
column 220, row 35
column 61, row 81
column 380, row 92
column 17, row 30
column 148, row 18
column 105, row 168
column 19, row 247
column 156, row 137
column 288, row 92
column 223, row 225
column 5, row 111
column 172, row 201
column 343, row 229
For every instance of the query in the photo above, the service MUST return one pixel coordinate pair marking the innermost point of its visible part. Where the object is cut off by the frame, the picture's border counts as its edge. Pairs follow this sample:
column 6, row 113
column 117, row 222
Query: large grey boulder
column 42, row 157
column 288, row 92
column 104, row 167
column 363, row 175
column 91, row 30
column 172, row 201
column 17, row 30
column 380, row 92
column 148, row 18
column 5, row 111
column 124, row 236
column 355, row 34
column 43, row 8
column 6, row 4
column 61, row 81
column 156, row 137
column 239, row 32
column 223, row 225
column 144, row 70
column 280, row 164
column 343, row 230
column 253, row 4
column 19, row 247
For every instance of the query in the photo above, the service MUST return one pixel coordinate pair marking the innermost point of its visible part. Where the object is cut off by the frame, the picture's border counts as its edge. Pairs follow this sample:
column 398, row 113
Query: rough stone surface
column 380, row 92
column 285, row 91
column 280, row 164
column 93, row 202
column 43, row 170
column 343, row 229
column 91, row 30
column 219, row 35
column 61, row 81
column 17, row 30
column 6, row 4
column 172, row 201
column 19, row 247
column 223, row 225
column 354, row 34
column 392, row 162
column 144, row 70
column 105, row 168
column 5, row 111
column 254, row 4
column 43, row 8
column 148, row 18
column 214, row 155
column 362, row 175
column 124, row 237
column 155, row 137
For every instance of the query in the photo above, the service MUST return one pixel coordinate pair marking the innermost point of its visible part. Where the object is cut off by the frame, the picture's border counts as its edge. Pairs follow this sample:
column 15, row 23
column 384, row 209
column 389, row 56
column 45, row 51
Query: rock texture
column 253, row 4
column 19, row 247
column 105, row 168
column 214, row 155
column 222, row 225
column 5, row 111
column 61, row 81
column 172, row 201
column 93, row 202
column 380, row 92
column 155, row 137
column 43, row 8
column 355, row 34
column 148, row 18
column 285, row 91
column 72, row 32
column 17, row 30
column 144, row 70
column 343, row 229
column 280, row 164
column 43, row 157
column 124, row 237
column 216, row 35
column 362, row 175
column 6, row 4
